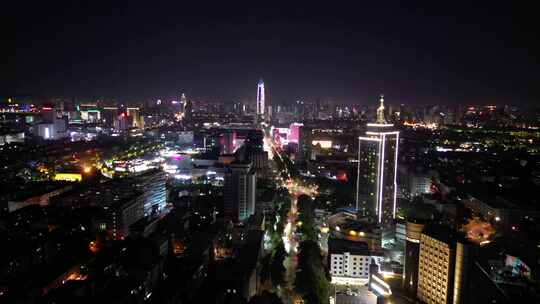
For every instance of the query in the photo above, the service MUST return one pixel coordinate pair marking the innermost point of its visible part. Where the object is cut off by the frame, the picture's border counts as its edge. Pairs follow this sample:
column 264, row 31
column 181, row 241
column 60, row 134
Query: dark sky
column 487, row 53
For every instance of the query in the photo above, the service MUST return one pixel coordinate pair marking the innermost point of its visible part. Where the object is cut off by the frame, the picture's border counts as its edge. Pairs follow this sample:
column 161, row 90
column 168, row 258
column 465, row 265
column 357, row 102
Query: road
column 288, row 179
column 290, row 239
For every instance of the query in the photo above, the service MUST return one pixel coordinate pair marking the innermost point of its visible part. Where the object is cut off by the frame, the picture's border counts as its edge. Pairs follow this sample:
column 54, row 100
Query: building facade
column 444, row 267
column 350, row 261
column 154, row 191
column 260, row 98
column 435, row 270
column 376, row 187
column 304, row 143
column 227, row 142
column 412, row 255
column 239, row 191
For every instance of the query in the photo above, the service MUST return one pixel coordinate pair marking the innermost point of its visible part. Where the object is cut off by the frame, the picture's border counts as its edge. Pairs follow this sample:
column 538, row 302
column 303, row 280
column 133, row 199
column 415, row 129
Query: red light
column 342, row 176
column 46, row 108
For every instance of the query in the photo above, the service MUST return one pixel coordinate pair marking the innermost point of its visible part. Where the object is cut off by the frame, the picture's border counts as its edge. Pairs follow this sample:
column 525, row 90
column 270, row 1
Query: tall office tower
column 412, row 255
column 239, row 191
column 188, row 109
column 227, row 142
column 135, row 115
column 110, row 116
column 259, row 158
column 304, row 143
column 444, row 267
column 376, row 184
column 260, row 98
column 122, row 122
column 183, row 101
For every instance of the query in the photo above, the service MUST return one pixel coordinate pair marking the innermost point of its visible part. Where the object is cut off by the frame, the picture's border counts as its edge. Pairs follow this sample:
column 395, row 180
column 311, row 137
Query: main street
column 290, row 239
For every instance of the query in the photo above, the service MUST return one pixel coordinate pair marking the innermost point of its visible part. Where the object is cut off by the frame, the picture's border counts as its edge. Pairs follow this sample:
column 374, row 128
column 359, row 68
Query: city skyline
column 459, row 55
column 231, row 153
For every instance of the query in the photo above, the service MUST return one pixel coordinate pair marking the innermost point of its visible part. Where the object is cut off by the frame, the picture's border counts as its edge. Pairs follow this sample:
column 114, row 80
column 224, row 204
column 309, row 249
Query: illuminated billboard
column 68, row 177
column 325, row 144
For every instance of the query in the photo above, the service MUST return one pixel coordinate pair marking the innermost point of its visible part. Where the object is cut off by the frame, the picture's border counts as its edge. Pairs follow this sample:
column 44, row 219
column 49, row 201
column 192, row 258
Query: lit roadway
column 290, row 239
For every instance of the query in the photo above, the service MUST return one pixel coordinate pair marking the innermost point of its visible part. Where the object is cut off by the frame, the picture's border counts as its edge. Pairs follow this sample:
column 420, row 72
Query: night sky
column 346, row 54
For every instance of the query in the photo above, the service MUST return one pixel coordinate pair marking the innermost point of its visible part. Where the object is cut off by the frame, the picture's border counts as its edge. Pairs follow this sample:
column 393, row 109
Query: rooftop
column 339, row 246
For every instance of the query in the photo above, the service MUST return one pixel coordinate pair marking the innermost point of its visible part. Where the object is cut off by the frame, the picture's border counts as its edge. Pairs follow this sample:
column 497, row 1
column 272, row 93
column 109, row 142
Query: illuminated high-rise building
column 183, row 101
column 188, row 109
column 239, row 191
column 376, row 184
column 227, row 142
column 135, row 115
column 110, row 116
column 260, row 98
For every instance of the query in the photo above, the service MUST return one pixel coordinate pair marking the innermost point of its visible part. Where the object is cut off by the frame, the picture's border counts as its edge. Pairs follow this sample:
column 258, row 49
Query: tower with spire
column 376, row 184
column 380, row 111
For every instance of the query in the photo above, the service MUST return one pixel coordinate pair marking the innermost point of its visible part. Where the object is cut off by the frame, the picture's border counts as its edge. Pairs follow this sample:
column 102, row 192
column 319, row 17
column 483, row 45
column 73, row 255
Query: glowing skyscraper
column 376, row 184
column 183, row 101
column 260, row 98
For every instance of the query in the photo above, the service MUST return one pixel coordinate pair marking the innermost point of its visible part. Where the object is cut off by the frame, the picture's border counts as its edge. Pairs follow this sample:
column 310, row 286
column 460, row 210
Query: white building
column 46, row 130
column 11, row 137
column 349, row 261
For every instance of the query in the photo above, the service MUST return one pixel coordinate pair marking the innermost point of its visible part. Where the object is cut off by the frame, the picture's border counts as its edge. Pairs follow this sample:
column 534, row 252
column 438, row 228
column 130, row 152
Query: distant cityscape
column 187, row 201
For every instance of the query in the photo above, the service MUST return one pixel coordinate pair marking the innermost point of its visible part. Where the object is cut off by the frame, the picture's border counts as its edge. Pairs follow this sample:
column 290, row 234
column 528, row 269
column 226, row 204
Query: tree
column 305, row 218
column 277, row 269
column 311, row 280
column 265, row 270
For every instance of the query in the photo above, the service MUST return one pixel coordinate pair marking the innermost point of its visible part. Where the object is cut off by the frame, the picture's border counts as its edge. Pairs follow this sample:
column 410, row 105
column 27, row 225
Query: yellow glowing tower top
column 380, row 112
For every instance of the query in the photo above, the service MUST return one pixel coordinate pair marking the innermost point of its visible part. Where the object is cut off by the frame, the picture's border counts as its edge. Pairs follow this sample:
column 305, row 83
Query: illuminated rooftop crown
column 380, row 112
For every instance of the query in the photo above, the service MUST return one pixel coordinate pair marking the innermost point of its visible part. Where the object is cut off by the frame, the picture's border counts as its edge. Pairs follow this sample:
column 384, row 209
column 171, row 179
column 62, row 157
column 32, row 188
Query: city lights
column 216, row 153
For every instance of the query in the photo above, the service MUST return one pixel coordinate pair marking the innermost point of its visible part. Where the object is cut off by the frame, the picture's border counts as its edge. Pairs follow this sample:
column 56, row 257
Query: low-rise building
column 349, row 261
column 504, row 214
